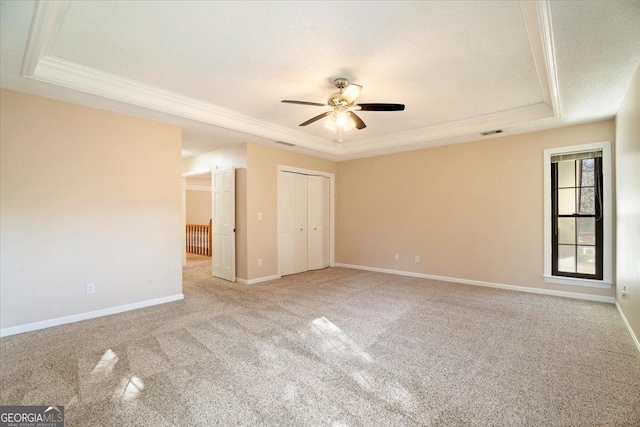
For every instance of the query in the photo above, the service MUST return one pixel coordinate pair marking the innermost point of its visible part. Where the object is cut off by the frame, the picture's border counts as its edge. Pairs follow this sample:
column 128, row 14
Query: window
column 576, row 209
column 578, row 225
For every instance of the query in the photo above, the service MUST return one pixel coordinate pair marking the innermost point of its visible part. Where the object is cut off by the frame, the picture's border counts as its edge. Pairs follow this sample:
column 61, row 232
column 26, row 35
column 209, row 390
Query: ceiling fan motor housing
column 334, row 99
column 341, row 83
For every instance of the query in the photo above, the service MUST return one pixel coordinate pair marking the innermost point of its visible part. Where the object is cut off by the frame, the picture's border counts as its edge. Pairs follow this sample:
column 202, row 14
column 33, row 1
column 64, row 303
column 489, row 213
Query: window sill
column 603, row 284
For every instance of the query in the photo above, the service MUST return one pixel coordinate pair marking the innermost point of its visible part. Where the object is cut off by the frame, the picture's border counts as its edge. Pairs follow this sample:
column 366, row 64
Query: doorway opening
column 198, row 233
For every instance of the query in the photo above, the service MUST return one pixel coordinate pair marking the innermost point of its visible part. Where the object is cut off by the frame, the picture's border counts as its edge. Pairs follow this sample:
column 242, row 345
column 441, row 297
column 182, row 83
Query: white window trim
column 607, row 241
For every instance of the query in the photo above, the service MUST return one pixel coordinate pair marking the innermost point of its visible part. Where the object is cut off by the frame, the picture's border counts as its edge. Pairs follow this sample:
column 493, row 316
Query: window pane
column 567, row 258
column 566, row 201
column 567, row 230
column 587, row 259
column 567, row 173
column 587, row 201
column 587, row 167
column 586, row 231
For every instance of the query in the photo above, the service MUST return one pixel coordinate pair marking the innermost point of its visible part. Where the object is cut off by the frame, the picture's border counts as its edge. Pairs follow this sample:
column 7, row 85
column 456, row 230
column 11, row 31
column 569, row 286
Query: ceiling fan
column 342, row 116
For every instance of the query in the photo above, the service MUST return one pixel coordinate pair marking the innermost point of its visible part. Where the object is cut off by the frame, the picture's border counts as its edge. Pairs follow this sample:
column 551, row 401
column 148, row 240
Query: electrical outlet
column 417, row 259
column 260, row 262
column 259, row 215
column 625, row 295
column 91, row 288
column 397, row 257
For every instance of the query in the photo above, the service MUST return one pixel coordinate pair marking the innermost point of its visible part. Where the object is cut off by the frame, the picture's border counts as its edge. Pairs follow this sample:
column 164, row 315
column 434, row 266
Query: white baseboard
column 258, row 280
column 626, row 322
column 5, row 332
column 576, row 295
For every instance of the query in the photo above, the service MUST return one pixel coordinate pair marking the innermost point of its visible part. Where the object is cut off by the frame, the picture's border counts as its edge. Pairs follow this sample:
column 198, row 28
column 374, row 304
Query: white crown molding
column 40, row 65
column 543, row 9
column 76, row 76
column 47, row 16
column 537, row 21
column 529, row 12
column 434, row 134
column 62, row 72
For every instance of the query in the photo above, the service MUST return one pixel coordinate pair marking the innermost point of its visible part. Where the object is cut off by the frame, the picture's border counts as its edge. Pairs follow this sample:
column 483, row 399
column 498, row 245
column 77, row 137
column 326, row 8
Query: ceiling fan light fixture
column 339, row 121
column 330, row 123
column 341, row 115
column 342, row 118
column 350, row 124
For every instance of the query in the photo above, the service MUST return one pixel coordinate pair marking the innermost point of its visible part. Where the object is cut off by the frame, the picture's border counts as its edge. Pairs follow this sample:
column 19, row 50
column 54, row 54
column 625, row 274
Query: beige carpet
column 336, row 347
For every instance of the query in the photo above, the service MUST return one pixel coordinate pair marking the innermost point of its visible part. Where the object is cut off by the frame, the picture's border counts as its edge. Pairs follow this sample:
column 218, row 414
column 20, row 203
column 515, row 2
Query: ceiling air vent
column 285, row 143
column 491, row 132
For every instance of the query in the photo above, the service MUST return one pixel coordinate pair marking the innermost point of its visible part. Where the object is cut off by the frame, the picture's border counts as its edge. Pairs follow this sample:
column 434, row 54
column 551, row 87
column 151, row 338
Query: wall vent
column 288, row 144
column 491, row 132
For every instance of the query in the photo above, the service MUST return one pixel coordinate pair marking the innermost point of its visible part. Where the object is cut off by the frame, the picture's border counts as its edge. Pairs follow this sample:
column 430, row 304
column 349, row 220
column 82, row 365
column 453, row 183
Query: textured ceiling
column 447, row 61
column 598, row 50
column 249, row 56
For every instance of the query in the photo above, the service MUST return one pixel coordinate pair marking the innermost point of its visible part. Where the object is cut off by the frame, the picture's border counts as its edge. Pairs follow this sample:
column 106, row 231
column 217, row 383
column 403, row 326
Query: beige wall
column 262, row 186
column 78, row 206
column 200, row 182
column 470, row 211
column 225, row 158
column 235, row 156
column 628, row 203
column 198, row 206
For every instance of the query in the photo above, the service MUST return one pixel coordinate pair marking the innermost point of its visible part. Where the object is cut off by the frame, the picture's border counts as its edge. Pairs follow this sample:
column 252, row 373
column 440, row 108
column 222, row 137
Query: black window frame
column 599, row 224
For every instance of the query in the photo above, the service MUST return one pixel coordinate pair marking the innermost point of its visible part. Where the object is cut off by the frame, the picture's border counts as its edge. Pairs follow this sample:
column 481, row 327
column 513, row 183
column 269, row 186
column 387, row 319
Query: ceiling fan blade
column 358, row 121
column 304, row 103
column 350, row 93
column 381, row 107
column 316, row 118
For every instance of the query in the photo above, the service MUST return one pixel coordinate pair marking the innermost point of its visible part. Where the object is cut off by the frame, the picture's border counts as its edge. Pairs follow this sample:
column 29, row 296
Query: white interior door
column 300, row 260
column 223, row 200
column 286, row 219
column 315, row 222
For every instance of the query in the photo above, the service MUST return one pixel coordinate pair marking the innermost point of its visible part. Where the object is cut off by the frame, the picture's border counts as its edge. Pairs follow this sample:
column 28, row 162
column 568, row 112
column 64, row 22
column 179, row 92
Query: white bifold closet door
column 286, row 222
column 300, row 237
column 303, row 214
column 318, row 221
column 325, row 221
column 314, row 218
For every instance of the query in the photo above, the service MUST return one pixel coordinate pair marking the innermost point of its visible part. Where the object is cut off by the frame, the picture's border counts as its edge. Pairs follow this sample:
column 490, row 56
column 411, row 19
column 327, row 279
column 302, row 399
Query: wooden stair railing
column 199, row 239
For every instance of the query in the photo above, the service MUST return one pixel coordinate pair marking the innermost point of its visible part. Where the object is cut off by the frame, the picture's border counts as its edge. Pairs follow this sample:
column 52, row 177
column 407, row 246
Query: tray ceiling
column 220, row 69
